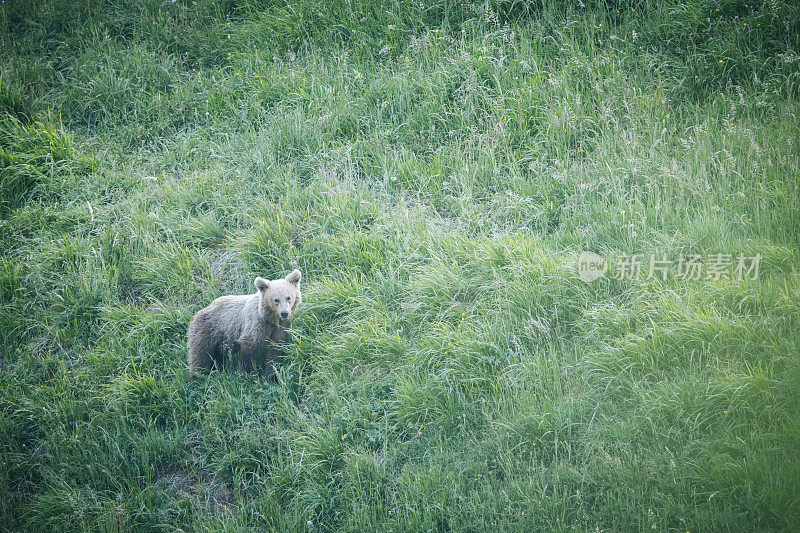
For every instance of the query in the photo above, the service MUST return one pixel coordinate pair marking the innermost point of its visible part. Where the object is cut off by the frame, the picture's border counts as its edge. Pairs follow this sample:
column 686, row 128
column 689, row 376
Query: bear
column 245, row 325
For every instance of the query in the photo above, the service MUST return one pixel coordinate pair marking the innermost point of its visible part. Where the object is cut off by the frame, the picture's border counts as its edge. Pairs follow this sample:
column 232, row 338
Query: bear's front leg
column 275, row 351
column 274, row 355
column 247, row 349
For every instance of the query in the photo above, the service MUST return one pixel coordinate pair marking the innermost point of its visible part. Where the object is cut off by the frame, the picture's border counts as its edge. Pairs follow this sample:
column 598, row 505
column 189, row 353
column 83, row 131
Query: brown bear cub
column 245, row 325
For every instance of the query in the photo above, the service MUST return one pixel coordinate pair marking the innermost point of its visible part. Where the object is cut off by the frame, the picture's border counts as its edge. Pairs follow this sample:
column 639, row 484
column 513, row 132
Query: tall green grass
column 434, row 169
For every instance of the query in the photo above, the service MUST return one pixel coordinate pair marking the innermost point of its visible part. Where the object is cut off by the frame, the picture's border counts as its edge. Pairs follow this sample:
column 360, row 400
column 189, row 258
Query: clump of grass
column 31, row 155
column 14, row 103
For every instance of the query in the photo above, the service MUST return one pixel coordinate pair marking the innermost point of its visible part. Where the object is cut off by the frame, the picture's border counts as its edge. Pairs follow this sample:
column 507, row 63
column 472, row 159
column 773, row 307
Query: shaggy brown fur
column 245, row 325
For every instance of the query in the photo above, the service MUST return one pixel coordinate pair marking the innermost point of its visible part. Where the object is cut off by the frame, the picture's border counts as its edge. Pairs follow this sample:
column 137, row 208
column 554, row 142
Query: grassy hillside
column 434, row 169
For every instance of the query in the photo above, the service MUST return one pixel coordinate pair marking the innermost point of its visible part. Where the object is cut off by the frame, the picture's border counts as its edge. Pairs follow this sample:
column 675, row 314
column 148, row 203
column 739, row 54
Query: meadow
column 434, row 168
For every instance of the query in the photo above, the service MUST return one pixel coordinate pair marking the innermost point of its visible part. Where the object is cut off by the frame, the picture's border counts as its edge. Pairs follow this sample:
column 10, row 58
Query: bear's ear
column 261, row 284
column 294, row 277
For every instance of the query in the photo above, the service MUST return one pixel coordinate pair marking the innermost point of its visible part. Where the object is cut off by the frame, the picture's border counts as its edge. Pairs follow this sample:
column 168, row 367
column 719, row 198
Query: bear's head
column 280, row 297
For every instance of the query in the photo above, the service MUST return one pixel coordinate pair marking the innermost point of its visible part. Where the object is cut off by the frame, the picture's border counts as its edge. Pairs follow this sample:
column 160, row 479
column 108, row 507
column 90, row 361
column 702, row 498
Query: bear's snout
column 284, row 314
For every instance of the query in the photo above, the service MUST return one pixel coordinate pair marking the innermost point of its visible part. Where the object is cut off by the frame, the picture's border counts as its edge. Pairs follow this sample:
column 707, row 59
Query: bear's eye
column 276, row 300
column 288, row 298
